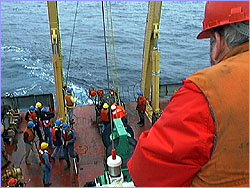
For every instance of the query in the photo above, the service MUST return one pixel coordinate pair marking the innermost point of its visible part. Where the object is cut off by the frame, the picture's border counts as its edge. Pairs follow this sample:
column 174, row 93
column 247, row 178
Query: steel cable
column 71, row 44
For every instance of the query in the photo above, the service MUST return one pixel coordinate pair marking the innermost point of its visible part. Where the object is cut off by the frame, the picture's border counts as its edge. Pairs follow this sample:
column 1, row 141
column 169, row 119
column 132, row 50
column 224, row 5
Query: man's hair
column 231, row 33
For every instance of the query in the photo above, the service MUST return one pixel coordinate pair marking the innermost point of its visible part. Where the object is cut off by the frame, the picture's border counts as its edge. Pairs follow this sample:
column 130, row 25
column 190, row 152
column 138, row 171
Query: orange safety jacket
column 226, row 87
column 45, row 123
column 40, row 153
column 68, row 100
column 66, row 136
column 104, row 115
column 141, row 104
column 119, row 112
column 53, row 134
column 30, row 133
column 32, row 116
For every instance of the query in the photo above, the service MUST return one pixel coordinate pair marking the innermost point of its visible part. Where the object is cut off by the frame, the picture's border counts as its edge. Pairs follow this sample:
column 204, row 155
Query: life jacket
column 105, row 115
column 30, row 133
column 32, row 116
column 68, row 100
column 40, row 153
column 46, row 123
column 119, row 112
column 67, row 135
column 141, row 104
column 226, row 87
column 53, row 133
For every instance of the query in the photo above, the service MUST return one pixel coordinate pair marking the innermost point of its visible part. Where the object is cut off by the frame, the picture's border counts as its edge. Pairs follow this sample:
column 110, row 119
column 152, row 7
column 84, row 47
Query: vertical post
column 151, row 59
column 56, row 58
column 156, row 71
column 156, row 82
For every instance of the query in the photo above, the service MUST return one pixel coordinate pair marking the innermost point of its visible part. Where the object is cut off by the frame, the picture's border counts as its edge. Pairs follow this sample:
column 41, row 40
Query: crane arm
column 57, row 57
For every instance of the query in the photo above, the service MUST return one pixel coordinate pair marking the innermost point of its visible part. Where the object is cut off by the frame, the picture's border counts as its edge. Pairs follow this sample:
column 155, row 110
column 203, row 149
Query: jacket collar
column 237, row 50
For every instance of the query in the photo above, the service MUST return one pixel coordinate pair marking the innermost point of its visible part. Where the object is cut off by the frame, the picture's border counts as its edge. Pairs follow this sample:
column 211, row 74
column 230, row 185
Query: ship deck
column 88, row 145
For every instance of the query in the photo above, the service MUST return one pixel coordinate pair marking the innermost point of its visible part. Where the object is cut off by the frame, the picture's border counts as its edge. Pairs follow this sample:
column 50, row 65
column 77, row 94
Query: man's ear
column 218, row 47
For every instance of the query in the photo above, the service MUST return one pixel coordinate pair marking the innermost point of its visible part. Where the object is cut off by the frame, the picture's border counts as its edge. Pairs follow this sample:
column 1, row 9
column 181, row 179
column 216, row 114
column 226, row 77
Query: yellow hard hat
column 44, row 145
column 105, row 105
column 2, row 128
column 38, row 105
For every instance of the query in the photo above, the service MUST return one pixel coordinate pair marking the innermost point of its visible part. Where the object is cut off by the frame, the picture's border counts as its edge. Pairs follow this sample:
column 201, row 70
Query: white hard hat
column 113, row 107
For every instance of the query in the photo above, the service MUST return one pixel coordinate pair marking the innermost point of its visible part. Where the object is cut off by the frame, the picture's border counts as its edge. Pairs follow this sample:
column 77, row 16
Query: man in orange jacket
column 70, row 102
column 141, row 108
column 202, row 136
column 119, row 112
column 104, row 116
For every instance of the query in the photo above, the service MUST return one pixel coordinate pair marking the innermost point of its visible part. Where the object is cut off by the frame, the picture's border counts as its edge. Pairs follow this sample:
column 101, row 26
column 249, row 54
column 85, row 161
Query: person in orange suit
column 141, row 108
column 119, row 112
column 104, row 116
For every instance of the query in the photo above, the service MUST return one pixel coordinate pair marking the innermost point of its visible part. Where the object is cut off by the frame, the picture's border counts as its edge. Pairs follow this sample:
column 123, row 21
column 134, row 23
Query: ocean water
column 26, row 53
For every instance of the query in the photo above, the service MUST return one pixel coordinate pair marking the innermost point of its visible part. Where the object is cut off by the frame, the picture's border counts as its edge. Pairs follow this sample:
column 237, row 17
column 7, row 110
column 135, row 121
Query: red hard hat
column 218, row 13
column 99, row 92
column 12, row 181
column 92, row 93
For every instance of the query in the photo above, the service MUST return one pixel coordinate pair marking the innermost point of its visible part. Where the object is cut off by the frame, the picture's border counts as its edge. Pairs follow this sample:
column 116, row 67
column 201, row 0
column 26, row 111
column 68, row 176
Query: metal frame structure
column 151, row 59
column 57, row 57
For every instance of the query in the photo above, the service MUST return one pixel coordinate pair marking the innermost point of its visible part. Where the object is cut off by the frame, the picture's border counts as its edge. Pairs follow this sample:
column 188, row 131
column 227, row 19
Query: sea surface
column 26, row 53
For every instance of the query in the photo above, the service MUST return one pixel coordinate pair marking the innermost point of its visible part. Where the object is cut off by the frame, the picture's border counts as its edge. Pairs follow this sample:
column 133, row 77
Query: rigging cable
column 105, row 42
column 112, row 56
column 71, row 43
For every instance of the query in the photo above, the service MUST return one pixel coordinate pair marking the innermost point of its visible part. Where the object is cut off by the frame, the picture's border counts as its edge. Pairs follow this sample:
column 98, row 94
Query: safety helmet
column 58, row 122
column 44, row 145
column 30, row 124
column 105, row 105
column 12, row 181
column 113, row 107
column 32, row 108
column 218, row 13
column 38, row 105
column 139, row 93
column 100, row 92
column 65, row 126
column 44, row 110
column 92, row 92
column 69, row 90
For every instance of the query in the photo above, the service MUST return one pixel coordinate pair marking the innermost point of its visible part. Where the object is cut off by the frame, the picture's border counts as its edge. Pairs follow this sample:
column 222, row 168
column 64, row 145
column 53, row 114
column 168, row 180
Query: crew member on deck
column 28, row 138
column 141, row 108
column 70, row 102
column 46, row 166
column 69, row 138
column 46, row 123
column 105, row 116
column 57, row 139
column 119, row 112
